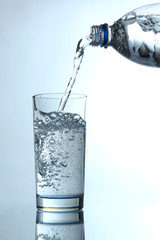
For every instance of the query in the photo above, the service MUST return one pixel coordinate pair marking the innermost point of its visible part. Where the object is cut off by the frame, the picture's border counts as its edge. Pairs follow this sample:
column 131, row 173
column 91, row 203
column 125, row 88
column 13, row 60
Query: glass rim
column 59, row 95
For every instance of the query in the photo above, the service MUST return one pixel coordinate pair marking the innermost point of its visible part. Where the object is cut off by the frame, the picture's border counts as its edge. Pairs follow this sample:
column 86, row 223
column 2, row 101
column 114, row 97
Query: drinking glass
column 59, row 148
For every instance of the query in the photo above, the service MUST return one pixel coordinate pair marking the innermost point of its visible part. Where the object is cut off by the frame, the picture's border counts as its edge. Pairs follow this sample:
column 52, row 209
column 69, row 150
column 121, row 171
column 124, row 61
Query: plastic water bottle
column 136, row 35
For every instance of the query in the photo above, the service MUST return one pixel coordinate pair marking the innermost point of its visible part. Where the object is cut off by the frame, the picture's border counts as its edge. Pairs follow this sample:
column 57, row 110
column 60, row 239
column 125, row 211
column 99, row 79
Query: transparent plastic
column 136, row 35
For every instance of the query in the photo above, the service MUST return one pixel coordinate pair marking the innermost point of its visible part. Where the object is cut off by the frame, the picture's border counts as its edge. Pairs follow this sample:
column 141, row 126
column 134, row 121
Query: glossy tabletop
column 117, row 221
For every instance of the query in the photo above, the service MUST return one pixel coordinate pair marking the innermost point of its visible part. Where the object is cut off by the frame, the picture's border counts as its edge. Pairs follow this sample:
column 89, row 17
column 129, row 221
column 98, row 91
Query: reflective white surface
column 117, row 221
column 122, row 183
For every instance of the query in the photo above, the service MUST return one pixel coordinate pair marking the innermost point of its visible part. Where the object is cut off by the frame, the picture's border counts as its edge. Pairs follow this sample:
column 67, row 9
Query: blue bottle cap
column 105, row 35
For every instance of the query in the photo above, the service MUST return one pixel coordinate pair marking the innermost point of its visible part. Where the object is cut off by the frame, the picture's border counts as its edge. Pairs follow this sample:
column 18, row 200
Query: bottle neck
column 100, row 35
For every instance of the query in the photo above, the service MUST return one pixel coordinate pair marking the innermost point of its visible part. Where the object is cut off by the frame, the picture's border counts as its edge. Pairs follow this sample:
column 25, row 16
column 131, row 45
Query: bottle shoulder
column 136, row 35
column 118, row 38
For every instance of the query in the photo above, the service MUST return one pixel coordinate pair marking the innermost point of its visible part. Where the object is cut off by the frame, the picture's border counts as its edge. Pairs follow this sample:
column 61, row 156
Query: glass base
column 70, row 217
column 60, row 203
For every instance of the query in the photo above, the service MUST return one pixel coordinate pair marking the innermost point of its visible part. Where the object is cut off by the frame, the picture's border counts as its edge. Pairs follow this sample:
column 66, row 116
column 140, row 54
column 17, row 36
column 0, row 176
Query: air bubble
column 66, row 115
column 58, row 124
column 53, row 115
column 51, row 141
column 76, row 117
column 60, row 114
column 47, row 119
column 63, row 164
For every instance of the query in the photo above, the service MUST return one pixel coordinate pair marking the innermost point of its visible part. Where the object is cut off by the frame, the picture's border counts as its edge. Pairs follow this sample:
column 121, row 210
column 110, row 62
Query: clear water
column 59, row 153
column 81, row 46
column 137, row 37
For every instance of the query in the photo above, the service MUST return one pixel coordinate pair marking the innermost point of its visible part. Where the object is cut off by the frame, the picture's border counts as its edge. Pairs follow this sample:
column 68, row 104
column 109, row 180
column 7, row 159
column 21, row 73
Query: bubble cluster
column 42, row 236
column 59, row 151
column 59, row 120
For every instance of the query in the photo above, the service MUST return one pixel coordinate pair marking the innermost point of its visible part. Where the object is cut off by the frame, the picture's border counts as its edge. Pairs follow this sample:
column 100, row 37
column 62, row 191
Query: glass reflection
column 59, row 225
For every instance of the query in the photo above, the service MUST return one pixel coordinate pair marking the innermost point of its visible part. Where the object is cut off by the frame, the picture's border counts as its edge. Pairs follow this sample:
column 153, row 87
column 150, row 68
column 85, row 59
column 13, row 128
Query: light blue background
column 38, row 39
